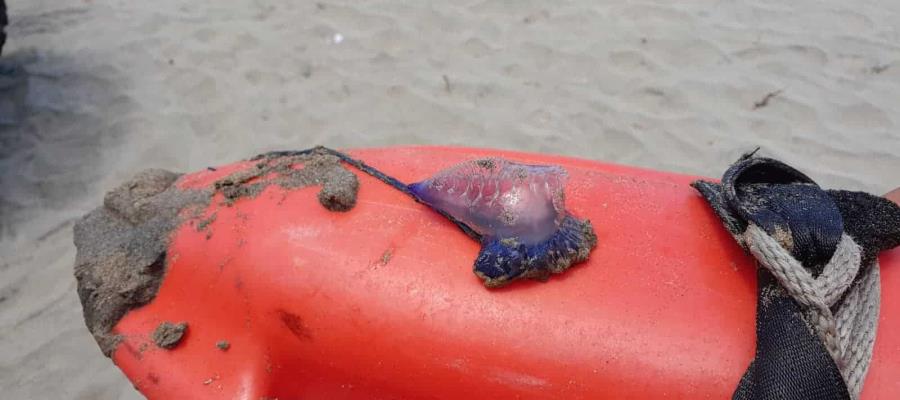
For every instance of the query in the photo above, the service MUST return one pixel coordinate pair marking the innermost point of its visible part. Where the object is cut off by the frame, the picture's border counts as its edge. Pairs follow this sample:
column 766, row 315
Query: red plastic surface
column 381, row 302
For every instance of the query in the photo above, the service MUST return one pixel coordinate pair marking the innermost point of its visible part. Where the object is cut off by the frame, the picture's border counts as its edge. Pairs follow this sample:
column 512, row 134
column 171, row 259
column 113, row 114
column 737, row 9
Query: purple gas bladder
column 500, row 198
column 519, row 210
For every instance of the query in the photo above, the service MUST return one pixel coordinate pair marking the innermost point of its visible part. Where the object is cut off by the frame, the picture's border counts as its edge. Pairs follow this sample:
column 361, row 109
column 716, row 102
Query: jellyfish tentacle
column 375, row 173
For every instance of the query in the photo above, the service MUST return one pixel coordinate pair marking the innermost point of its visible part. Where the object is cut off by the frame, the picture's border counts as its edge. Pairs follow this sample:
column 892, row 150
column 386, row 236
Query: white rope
column 847, row 332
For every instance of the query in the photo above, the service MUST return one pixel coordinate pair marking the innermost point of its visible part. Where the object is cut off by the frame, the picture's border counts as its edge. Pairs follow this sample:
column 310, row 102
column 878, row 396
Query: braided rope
column 848, row 332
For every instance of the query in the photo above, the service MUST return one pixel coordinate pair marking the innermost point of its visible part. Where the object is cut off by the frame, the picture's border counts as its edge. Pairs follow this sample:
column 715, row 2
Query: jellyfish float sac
column 519, row 212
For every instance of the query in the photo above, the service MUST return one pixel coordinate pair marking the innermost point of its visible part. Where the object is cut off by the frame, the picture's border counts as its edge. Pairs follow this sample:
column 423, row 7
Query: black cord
column 381, row 176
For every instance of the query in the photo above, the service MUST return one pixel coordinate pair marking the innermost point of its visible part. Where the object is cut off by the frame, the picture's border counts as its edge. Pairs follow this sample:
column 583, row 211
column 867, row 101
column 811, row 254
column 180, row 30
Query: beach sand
column 91, row 92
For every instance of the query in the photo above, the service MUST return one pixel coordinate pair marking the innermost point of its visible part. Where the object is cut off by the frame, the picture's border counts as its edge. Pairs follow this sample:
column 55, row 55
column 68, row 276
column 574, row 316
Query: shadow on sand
column 54, row 123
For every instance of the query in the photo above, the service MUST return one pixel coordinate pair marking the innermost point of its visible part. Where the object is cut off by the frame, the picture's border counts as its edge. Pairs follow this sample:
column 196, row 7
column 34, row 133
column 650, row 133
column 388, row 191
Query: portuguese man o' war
column 516, row 211
column 520, row 212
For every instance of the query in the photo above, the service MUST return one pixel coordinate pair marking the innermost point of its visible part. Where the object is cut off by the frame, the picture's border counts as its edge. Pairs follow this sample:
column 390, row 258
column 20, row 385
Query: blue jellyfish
column 519, row 211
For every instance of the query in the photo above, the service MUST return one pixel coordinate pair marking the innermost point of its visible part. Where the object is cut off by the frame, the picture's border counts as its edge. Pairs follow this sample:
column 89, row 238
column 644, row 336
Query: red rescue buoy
column 281, row 298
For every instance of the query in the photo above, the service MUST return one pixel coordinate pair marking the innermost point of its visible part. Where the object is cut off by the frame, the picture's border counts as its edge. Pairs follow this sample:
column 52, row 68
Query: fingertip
column 894, row 196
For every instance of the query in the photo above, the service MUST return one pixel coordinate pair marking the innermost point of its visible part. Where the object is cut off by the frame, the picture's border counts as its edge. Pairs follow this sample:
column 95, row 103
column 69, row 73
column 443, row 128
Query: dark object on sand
column 3, row 22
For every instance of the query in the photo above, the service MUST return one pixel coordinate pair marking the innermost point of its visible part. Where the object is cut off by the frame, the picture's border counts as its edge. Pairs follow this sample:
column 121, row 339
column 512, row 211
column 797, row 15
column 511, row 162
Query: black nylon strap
column 791, row 362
